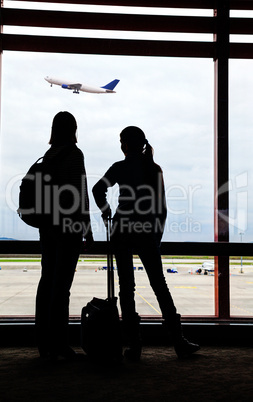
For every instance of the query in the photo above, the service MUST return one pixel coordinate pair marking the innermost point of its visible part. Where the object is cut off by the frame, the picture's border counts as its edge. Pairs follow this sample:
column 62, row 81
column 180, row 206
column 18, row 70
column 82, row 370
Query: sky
column 171, row 99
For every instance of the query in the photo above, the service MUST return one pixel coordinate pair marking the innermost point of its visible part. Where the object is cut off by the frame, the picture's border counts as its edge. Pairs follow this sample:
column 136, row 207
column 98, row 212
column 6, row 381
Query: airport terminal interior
column 211, row 281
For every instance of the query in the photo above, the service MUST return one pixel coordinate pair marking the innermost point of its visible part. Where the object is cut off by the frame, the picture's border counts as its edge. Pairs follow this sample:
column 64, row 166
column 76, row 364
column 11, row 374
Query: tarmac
column 193, row 294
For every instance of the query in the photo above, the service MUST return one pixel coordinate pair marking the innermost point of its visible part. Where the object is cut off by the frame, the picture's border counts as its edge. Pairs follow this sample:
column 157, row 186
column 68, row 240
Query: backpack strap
column 59, row 156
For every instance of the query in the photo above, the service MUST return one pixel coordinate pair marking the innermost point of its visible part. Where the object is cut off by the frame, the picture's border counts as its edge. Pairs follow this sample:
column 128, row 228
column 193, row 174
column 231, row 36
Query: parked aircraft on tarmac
column 76, row 87
column 207, row 268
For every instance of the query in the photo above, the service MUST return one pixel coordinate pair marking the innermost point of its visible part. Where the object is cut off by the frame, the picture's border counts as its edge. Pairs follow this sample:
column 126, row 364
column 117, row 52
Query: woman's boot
column 182, row 346
column 133, row 337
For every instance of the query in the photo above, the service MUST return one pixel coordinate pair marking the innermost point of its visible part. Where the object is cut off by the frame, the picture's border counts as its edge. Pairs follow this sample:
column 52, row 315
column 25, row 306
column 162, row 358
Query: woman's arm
column 100, row 191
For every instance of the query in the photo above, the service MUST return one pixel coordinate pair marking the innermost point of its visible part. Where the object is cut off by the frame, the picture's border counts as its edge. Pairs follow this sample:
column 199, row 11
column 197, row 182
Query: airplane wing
column 75, row 87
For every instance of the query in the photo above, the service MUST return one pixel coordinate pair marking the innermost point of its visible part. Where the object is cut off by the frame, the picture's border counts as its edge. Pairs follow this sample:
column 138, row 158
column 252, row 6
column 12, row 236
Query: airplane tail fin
column 111, row 85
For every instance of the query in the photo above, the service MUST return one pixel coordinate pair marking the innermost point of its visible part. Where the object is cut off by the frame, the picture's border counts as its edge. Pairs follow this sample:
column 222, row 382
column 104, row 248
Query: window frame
column 220, row 50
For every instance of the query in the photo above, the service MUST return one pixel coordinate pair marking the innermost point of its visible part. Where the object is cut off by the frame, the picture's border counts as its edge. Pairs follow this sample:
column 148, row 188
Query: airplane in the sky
column 76, row 87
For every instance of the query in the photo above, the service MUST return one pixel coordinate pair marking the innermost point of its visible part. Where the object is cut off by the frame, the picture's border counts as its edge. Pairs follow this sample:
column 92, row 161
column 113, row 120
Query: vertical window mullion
column 221, row 157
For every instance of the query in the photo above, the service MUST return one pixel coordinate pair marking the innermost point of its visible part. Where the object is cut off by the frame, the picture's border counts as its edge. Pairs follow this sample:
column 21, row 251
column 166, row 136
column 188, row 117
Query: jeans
column 60, row 254
column 147, row 247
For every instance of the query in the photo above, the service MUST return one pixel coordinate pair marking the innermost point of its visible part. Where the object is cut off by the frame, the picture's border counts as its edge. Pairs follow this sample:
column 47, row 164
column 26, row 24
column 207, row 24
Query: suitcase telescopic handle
column 110, row 273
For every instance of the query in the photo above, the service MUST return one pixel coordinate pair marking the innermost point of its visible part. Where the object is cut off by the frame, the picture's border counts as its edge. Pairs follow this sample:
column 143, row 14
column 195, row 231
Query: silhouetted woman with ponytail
column 138, row 226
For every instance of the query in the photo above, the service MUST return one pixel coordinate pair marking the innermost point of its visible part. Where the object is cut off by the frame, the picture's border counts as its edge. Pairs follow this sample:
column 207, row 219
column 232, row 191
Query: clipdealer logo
column 238, row 211
column 180, row 201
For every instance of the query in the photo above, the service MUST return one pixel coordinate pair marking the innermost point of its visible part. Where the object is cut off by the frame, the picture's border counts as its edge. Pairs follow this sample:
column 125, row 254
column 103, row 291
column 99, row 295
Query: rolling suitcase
column 100, row 324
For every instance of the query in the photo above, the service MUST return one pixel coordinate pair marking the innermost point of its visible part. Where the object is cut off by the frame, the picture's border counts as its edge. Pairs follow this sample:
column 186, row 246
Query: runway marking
column 185, row 287
column 159, row 312
column 242, row 309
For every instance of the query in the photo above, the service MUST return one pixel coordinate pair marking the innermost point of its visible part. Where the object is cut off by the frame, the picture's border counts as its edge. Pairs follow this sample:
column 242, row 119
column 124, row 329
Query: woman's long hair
column 63, row 129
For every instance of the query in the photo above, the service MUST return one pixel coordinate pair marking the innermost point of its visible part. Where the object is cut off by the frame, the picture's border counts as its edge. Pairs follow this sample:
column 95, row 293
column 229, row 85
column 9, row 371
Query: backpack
column 33, row 209
column 31, row 195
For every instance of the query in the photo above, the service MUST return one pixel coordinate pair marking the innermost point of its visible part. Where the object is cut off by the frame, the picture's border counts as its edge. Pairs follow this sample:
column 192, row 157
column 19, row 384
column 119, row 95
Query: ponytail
column 148, row 152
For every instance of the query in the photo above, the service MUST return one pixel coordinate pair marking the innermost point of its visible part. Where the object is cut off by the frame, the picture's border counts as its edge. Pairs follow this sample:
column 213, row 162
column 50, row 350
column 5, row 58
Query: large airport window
column 171, row 100
column 175, row 100
column 241, row 187
column 190, row 279
column 174, row 108
column 241, row 285
column 241, row 142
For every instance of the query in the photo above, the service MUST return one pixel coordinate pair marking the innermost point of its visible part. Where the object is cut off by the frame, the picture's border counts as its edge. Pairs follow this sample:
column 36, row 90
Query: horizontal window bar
column 242, row 26
column 122, row 47
column 241, row 50
column 120, row 22
column 22, row 247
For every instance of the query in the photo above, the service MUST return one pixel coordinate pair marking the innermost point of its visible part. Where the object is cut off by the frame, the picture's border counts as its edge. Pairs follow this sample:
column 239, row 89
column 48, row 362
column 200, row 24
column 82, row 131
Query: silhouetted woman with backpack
column 138, row 226
column 65, row 224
